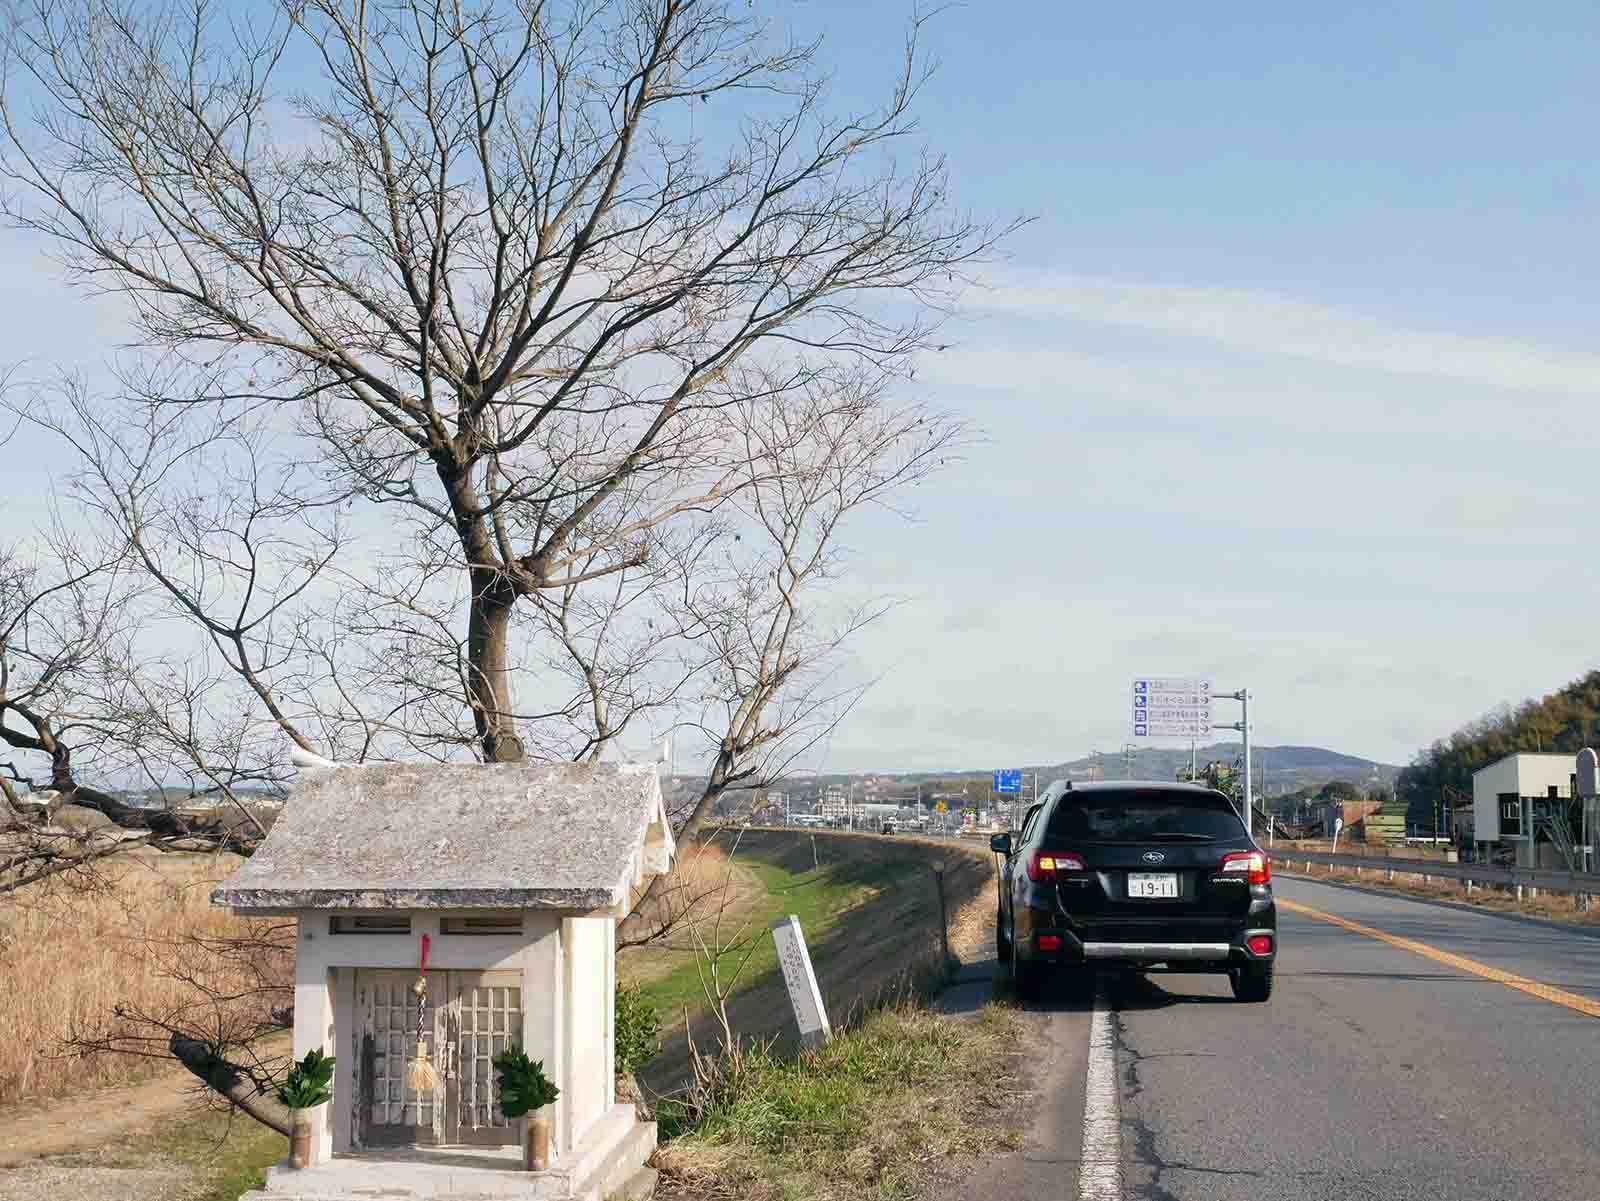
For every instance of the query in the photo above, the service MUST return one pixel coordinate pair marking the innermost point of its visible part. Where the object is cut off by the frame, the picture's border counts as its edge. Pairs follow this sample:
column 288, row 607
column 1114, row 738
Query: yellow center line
column 1556, row 996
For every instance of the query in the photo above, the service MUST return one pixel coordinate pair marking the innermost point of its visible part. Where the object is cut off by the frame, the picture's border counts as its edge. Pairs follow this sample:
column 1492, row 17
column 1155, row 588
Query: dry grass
column 1555, row 906
column 884, row 1111
column 70, row 956
column 704, row 881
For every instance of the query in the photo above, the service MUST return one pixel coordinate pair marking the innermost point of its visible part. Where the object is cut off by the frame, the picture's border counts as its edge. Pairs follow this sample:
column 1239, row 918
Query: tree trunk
column 232, row 1081
column 239, row 835
column 227, row 833
column 489, row 669
column 10, row 817
column 716, row 785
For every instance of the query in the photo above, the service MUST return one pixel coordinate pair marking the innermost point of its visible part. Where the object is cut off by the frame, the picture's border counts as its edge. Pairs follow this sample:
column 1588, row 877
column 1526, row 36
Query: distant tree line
column 1332, row 790
column 1564, row 721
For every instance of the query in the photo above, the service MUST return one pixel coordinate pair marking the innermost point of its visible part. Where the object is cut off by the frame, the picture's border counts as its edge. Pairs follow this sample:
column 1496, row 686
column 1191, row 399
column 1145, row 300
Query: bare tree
column 62, row 608
column 775, row 629
column 65, row 613
column 626, row 643
column 488, row 387
column 237, row 989
column 492, row 263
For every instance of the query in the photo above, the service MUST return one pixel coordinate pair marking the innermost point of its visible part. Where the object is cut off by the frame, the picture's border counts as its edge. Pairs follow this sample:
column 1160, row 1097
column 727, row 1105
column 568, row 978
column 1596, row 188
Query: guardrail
column 1366, row 850
column 1470, row 874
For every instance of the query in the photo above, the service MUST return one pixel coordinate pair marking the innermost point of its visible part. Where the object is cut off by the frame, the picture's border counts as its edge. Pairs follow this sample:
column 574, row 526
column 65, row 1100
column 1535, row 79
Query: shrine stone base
column 609, row 1162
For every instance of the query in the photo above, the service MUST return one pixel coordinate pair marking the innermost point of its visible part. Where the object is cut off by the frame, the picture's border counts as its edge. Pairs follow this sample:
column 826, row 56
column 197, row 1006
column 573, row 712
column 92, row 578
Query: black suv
column 1147, row 876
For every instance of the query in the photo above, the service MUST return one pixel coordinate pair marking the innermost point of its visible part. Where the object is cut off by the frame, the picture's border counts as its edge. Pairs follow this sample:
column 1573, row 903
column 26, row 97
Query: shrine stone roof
column 568, row 836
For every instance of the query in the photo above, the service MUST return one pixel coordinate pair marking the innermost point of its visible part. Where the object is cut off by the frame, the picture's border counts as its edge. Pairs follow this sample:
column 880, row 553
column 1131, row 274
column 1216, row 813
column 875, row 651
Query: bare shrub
column 84, row 966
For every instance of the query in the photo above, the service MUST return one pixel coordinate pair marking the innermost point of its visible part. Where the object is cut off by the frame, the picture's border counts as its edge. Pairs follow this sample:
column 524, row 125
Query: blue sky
column 1291, row 381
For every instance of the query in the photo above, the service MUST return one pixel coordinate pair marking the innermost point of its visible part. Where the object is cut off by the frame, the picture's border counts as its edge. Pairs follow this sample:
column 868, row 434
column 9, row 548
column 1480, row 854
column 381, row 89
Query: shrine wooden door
column 483, row 1016
column 469, row 1018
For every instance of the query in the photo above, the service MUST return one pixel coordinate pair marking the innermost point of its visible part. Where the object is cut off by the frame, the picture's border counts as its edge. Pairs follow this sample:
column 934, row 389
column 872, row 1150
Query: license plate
column 1152, row 886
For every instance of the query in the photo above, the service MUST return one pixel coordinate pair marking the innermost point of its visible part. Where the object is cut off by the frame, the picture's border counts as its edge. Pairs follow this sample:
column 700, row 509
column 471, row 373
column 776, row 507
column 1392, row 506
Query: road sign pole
column 1588, row 787
column 1243, row 726
column 1249, row 805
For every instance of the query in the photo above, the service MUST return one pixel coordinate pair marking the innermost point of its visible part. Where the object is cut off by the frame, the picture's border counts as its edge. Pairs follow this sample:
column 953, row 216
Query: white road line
column 1100, row 1169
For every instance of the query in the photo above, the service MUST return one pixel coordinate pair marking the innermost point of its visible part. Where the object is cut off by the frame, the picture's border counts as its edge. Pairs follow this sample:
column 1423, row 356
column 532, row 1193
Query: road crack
column 1145, row 1151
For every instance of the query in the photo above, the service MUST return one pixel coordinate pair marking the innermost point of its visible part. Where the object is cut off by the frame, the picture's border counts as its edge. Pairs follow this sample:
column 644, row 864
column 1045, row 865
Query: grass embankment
column 900, row 1096
column 868, row 906
column 882, row 1112
column 672, row 977
column 1552, row 906
column 71, row 955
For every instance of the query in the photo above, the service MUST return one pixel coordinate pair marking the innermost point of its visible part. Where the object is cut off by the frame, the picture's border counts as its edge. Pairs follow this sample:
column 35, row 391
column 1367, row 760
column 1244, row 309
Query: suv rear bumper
column 1189, row 944
column 1157, row 951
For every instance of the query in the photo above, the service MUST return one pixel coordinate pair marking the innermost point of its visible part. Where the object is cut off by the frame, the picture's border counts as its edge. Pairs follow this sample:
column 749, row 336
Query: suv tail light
column 1045, row 865
column 1253, row 862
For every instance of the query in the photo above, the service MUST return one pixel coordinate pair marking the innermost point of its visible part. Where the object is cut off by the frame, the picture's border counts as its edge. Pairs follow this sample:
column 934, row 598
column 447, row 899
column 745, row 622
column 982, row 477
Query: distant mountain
column 1316, row 757
column 1277, row 770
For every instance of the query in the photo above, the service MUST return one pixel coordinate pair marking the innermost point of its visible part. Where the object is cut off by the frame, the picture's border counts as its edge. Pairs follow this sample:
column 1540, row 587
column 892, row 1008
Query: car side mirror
column 1000, row 844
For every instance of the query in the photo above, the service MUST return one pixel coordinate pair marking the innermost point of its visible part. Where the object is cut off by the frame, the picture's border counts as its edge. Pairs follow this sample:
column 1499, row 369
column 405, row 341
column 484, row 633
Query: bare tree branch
column 483, row 261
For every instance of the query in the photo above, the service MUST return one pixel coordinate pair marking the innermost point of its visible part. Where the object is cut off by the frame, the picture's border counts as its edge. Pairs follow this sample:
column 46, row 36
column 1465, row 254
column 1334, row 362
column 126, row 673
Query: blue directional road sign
column 1008, row 781
column 1171, row 707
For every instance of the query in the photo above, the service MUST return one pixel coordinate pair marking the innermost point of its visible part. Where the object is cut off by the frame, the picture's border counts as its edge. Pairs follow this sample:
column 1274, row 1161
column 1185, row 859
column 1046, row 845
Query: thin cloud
column 1274, row 324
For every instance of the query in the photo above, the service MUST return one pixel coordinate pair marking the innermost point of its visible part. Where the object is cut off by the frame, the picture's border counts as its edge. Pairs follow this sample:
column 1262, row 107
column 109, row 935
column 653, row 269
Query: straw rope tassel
column 421, row 1077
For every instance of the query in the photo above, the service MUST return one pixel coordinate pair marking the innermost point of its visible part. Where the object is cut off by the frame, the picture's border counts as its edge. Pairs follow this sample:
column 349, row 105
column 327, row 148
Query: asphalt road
column 1374, row 1072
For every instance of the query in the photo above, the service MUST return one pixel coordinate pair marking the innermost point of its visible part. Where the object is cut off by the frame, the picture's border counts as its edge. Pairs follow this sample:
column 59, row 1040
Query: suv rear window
column 1143, row 815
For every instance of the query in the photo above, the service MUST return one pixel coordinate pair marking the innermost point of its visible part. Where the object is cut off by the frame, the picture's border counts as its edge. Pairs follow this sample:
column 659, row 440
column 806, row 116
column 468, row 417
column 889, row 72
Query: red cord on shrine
column 421, row 1077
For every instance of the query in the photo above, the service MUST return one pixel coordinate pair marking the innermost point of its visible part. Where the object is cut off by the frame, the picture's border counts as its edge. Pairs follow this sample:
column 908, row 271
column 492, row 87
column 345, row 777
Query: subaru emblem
column 1153, row 856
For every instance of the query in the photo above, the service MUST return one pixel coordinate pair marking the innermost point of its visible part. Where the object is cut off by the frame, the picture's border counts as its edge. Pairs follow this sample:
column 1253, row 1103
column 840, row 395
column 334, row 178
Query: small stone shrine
column 517, row 874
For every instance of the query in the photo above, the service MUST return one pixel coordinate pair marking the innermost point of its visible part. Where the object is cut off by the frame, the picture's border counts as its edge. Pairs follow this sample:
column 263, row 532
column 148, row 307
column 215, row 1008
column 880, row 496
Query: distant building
column 1525, row 803
column 887, row 811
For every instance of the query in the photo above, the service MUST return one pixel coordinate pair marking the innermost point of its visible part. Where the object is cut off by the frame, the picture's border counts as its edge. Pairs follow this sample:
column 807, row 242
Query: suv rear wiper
column 1178, row 835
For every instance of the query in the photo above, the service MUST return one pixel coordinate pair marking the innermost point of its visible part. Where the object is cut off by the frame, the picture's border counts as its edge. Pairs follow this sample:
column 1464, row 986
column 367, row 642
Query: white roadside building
column 1524, row 802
